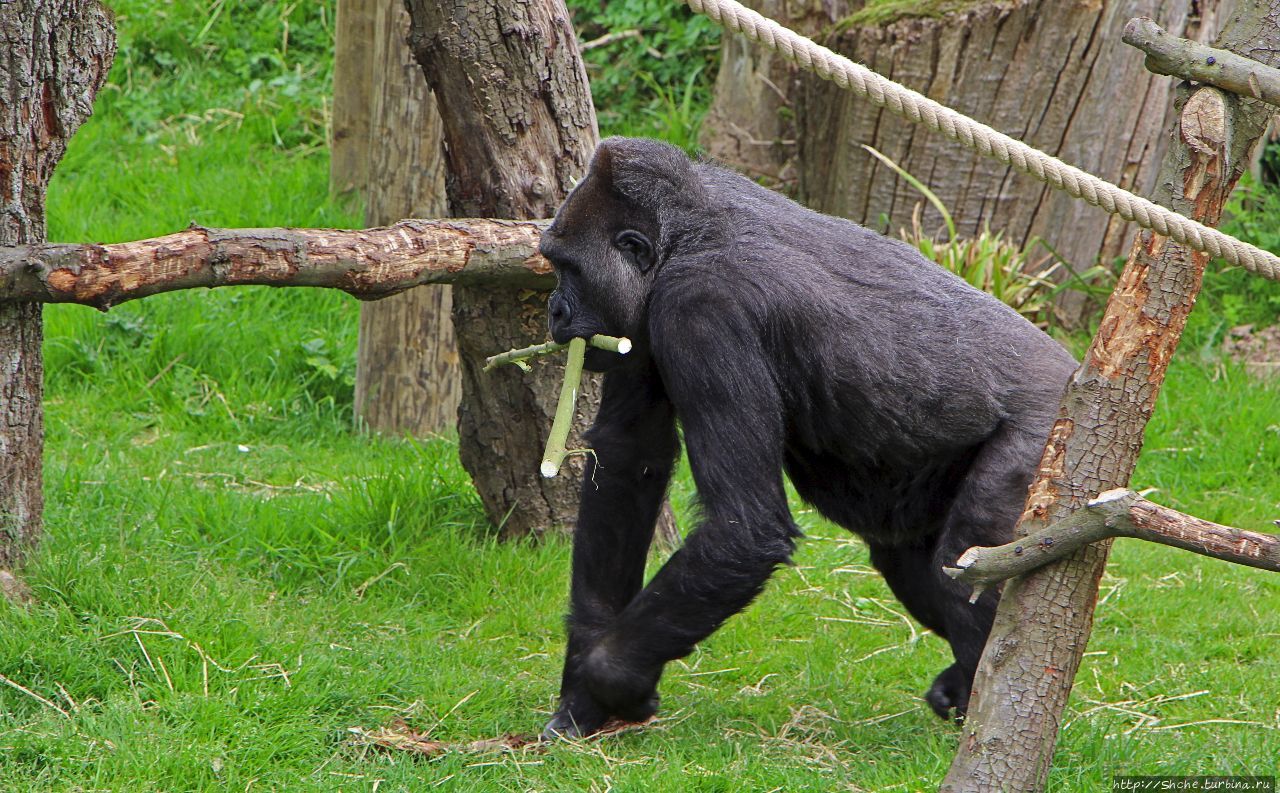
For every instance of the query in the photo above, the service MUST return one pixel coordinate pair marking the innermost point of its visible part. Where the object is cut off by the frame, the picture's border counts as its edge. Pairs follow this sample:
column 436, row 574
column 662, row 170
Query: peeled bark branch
column 368, row 263
column 1190, row 60
column 1115, row 513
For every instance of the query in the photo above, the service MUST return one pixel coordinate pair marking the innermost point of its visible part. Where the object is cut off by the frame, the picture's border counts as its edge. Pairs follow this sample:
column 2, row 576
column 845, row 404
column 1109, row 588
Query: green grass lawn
column 232, row 579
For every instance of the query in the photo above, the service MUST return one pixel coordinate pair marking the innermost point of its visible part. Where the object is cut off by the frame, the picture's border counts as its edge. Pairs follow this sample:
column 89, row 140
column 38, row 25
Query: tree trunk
column 54, row 56
column 519, row 130
column 751, row 125
column 407, row 376
column 1053, row 74
column 1044, row 619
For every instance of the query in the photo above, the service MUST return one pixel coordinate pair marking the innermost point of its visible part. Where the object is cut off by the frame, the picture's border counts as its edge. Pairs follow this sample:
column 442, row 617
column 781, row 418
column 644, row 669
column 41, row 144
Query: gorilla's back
column 887, row 363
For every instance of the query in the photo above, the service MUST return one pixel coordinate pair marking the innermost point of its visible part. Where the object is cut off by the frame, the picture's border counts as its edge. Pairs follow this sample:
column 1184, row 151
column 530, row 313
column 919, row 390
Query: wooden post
column 1044, row 618
column 54, row 56
column 352, row 74
column 407, row 377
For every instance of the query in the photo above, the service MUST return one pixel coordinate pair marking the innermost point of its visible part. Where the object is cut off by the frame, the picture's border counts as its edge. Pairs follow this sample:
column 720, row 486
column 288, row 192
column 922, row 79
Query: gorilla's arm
column 635, row 447
column 730, row 410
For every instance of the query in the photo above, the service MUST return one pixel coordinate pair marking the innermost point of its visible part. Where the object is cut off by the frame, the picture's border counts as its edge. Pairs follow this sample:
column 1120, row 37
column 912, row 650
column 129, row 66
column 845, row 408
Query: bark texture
column 519, row 129
column 352, row 87
column 369, row 264
column 1053, row 74
column 407, row 377
column 1115, row 513
column 751, row 124
column 1044, row 619
column 54, row 56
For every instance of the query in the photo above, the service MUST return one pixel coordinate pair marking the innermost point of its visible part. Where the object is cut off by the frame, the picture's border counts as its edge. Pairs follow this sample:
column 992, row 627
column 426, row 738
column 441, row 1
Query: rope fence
column 979, row 137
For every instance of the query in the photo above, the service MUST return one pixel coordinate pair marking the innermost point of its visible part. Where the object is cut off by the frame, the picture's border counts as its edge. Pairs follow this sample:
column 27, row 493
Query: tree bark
column 751, row 124
column 1044, row 619
column 407, row 377
column 1054, row 74
column 519, row 131
column 54, row 56
column 369, row 264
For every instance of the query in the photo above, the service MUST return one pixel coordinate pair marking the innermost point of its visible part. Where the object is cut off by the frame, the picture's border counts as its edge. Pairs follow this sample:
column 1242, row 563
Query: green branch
column 620, row 345
column 554, row 456
column 556, row 449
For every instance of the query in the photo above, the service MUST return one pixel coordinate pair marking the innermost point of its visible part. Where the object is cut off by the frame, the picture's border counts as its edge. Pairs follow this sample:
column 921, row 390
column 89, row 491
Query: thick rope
column 920, row 109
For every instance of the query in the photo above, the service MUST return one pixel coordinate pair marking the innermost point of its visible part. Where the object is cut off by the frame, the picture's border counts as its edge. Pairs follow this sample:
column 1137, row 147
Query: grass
column 232, row 578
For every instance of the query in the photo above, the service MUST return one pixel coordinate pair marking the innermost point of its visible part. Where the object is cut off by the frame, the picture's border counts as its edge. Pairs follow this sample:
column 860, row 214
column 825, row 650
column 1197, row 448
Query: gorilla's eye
column 635, row 248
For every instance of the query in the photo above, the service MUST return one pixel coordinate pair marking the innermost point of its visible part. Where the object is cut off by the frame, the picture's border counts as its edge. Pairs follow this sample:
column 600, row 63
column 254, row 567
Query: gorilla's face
column 603, row 253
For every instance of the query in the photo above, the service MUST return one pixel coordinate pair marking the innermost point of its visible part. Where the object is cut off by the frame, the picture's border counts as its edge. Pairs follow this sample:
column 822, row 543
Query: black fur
column 904, row 404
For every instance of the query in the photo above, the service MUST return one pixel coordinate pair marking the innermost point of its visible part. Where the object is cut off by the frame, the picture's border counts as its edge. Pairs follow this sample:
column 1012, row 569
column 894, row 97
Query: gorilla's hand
column 579, row 716
column 605, row 687
column 627, row 689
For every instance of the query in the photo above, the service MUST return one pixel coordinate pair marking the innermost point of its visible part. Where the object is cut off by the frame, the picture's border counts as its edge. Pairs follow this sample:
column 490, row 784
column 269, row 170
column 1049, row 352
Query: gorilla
column 904, row 404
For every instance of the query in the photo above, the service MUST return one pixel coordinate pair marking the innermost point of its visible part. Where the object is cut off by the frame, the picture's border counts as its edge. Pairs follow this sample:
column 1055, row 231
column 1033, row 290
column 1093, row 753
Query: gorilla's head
column 611, row 237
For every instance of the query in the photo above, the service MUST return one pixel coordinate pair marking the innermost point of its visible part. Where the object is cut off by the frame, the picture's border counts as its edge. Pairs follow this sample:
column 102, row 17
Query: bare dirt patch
column 1257, row 349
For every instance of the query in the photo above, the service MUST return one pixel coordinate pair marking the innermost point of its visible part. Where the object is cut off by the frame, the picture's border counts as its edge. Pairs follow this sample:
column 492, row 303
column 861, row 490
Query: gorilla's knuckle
column 612, row 680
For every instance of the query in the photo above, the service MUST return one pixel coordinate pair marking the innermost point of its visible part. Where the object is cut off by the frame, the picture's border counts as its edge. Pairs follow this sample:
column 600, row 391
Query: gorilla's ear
column 637, row 249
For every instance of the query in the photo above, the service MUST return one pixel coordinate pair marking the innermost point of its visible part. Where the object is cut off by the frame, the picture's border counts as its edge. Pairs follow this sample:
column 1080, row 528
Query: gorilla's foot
column 575, row 719
column 950, row 692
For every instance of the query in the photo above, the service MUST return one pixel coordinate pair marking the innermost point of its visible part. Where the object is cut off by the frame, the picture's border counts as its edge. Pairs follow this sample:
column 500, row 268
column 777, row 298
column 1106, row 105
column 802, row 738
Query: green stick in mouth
column 553, row 457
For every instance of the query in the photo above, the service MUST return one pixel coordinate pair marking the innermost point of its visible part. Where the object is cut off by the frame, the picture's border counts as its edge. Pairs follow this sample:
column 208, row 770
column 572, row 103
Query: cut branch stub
column 1115, row 513
column 1190, row 60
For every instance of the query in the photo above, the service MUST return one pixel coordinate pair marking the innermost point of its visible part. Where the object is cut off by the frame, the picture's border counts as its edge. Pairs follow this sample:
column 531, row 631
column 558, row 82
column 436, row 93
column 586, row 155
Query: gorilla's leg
column 916, row 579
column 984, row 511
column 635, row 445
column 717, row 573
column 734, row 442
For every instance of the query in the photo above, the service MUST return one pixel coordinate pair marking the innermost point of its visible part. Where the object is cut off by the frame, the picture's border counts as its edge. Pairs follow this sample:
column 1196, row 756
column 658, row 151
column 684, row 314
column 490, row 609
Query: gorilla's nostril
column 559, row 310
